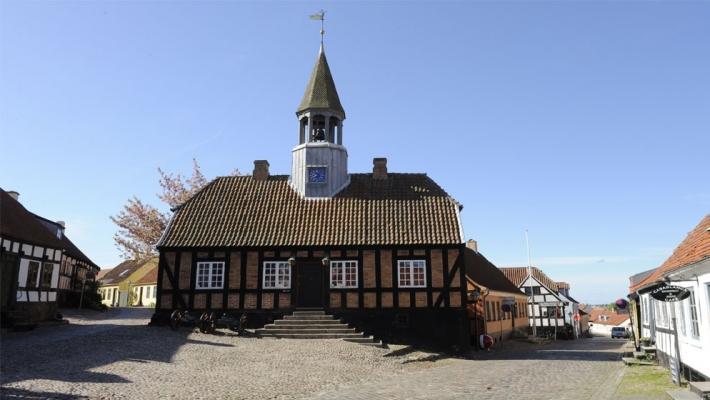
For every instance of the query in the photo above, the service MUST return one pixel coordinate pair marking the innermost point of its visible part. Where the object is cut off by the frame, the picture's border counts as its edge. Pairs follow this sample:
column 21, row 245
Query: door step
column 314, row 324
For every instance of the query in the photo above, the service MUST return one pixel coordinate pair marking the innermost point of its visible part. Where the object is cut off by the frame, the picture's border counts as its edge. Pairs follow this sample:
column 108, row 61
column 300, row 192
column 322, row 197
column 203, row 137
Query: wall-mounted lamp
column 325, row 261
column 292, row 261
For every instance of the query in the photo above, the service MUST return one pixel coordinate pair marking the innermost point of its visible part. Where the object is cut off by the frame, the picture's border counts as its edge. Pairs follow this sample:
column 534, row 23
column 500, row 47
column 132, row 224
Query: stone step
column 304, row 331
column 702, row 389
column 307, row 326
column 634, row 361
column 309, row 312
column 303, row 317
column 366, row 341
column 682, row 394
column 312, row 335
column 639, row 354
column 308, row 322
column 648, row 349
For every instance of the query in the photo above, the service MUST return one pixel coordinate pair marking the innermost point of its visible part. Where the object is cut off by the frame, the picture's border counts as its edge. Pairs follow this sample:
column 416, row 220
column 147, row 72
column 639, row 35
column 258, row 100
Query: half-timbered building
column 39, row 265
column 381, row 250
column 546, row 307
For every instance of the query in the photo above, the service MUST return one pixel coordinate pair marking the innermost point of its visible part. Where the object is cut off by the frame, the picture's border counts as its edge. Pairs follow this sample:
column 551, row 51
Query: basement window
column 210, row 275
column 277, row 275
column 343, row 274
column 412, row 273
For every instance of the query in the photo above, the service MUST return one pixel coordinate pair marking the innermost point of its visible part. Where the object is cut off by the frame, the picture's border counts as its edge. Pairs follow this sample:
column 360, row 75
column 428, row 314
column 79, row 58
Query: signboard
column 670, row 293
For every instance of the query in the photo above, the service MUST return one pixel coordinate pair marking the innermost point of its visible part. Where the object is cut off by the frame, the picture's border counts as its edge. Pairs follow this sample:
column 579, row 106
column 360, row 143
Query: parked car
column 619, row 332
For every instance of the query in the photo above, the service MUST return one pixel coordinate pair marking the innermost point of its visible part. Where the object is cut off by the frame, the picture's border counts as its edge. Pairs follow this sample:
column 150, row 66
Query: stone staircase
column 314, row 324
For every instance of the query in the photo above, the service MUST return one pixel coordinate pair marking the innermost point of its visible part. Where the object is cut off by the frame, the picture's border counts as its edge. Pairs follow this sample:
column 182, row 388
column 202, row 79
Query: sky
column 586, row 123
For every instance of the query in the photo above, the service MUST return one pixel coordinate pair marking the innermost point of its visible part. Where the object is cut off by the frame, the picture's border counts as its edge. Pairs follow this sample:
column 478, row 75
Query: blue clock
column 317, row 174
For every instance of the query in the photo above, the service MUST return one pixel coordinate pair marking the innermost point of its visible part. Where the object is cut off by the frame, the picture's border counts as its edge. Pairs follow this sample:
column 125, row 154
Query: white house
column 601, row 320
column 548, row 308
column 689, row 267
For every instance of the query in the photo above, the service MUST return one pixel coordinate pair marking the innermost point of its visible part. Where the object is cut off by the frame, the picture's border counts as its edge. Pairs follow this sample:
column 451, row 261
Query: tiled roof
column 518, row 275
column 18, row 223
column 150, row 277
column 612, row 318
column 320, row 91
column 238, row 211
column 694, row 248
column 122, row 271
column 69, row 247
column 484, row 273
column 103, row 273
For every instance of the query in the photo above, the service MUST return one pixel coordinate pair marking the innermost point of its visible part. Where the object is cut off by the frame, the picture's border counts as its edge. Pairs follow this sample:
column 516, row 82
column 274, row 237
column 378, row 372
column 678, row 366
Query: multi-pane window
column 661, row 313
column 210, row 275
column 488, row 311
column 412, row 273
column 47, row 271
column 343, row 274
column 277, row 275
column 694, row 327
column 681, row 320
column 32, row 274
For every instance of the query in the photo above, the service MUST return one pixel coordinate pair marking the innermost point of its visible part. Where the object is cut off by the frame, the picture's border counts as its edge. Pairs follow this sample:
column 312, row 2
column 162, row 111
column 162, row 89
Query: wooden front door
column 309, row 281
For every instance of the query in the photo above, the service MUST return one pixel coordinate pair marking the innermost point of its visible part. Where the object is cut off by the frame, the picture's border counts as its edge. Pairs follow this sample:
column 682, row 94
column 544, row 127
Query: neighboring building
column 496, row 291
column 689, row 267
column 39, row 266
column 583, row 319
column 601, row 320
column 145, row 288
column 380, row 250
column 548, row 309
column 75, row 269
column 128, row 284
column 571, row 307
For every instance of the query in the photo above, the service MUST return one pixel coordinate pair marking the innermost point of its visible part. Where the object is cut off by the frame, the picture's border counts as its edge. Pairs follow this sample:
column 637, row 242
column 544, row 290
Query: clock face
column 316, row 174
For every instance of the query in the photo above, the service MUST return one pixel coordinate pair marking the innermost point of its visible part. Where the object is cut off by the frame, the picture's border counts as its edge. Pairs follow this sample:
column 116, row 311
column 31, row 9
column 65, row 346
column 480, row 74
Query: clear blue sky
column 585, row 122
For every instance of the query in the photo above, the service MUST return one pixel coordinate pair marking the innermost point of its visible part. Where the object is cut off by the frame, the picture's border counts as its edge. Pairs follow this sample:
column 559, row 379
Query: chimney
column 379, row 168
column 472, row 244
column 261, row 170
column 15, row 195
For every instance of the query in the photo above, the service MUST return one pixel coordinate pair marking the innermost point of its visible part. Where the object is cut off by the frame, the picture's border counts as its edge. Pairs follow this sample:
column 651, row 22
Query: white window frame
column 694, row 325
column 281, row 269
column 212, row 268
column 340, row 282
column 402, row 265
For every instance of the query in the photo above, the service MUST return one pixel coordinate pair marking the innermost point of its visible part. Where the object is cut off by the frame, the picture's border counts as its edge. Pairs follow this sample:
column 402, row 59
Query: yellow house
column 496, row 307
column 118, row 286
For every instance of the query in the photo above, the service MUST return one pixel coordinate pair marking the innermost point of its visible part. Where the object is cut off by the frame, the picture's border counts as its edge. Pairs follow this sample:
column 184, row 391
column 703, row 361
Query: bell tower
column 319, row 164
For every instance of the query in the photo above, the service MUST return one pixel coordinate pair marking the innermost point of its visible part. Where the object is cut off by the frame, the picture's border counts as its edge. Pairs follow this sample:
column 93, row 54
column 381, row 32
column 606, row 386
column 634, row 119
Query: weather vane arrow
column 320, row 16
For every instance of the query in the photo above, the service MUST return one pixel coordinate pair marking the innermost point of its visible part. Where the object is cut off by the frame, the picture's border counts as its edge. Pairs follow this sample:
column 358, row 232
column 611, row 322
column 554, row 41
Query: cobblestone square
column 116, row 356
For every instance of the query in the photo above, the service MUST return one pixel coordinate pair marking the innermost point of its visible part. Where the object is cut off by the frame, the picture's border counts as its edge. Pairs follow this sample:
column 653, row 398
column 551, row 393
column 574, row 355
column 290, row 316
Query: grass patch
column 645, row 382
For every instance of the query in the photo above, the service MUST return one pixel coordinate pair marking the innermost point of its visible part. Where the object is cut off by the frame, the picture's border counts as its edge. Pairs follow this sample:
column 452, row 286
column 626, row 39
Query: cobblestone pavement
column 582, row 369
column 114, row 355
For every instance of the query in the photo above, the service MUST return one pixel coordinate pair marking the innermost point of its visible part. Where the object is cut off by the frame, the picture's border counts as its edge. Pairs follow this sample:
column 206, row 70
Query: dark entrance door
column 309, row 283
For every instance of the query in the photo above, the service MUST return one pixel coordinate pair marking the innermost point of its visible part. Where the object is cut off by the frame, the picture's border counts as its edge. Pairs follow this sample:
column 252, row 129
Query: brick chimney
column 261, row 170
column 472, row 244
column 15, row 195
column 379, row 168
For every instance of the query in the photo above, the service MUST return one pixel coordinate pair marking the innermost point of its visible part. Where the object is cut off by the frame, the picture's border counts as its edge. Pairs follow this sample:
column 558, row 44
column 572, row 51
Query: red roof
column 149, row 278
column 518, row 275
column 603, row 316
column 695, row 248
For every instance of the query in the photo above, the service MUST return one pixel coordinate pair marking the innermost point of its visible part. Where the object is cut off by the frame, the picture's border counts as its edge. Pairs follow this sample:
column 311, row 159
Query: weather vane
column 320, row 17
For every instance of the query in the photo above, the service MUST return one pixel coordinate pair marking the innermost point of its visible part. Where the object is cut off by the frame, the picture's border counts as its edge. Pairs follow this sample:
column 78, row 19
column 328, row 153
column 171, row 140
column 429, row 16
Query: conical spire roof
column 320, row 91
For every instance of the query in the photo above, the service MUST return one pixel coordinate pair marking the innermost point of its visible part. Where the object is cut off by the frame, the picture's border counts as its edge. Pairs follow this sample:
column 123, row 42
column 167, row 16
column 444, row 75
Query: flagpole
column 532, row 295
